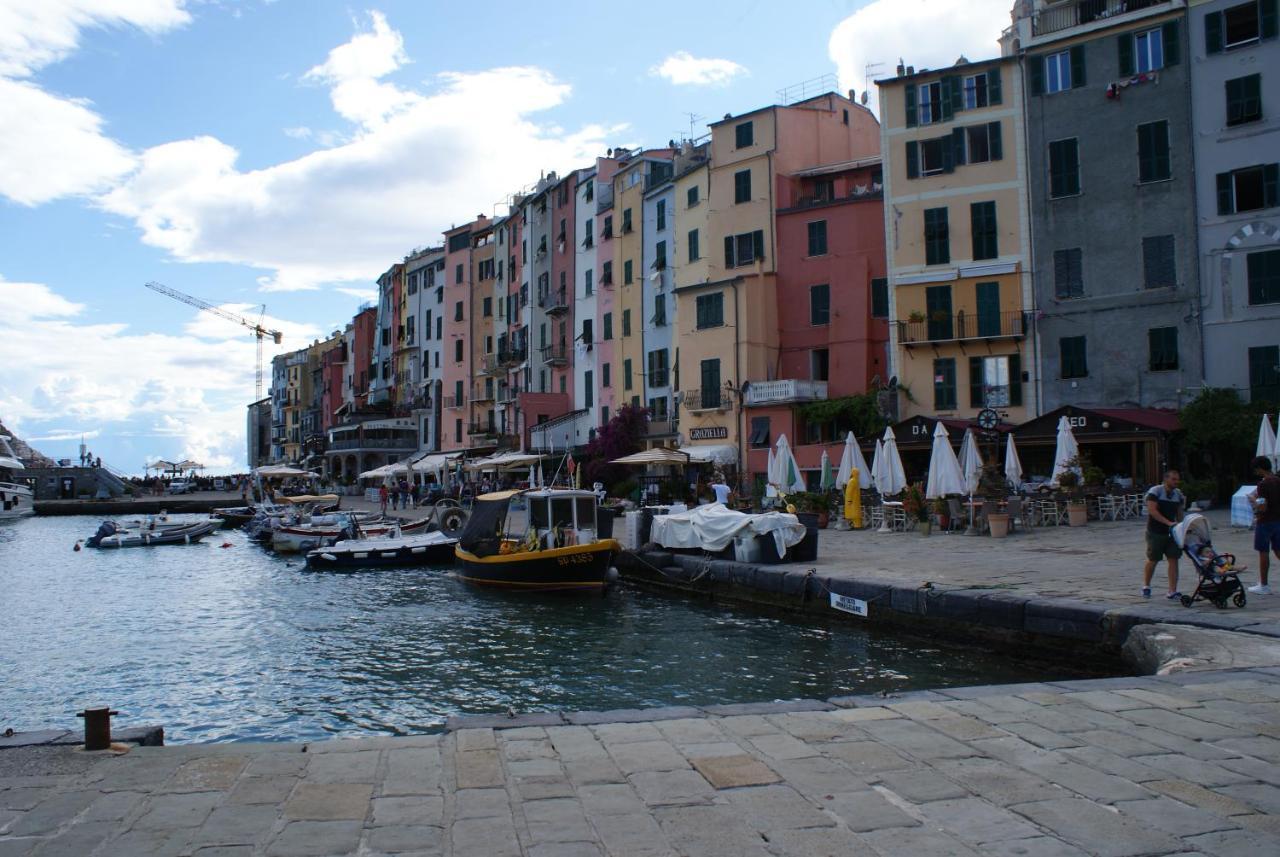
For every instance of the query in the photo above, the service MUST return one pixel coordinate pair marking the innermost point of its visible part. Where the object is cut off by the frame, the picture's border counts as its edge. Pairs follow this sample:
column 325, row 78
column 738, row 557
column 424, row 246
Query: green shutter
column 1125, row 43
column 1225, row 200
column 994, row 144
column 993, row 86
column 948, row 156
column 977, row 396
column 1269, row 17
column 728, row 251
column 957, row 94
column 1077, row 67
column 913, row 160
column 1015, row 380
column 1271, row 185
column 912, row 113
column 1035, row 67
column 1235, row 100
column 1213, row 40
column 957, row 146
column 946, row 106
column 757, row 243
column 1172, row 44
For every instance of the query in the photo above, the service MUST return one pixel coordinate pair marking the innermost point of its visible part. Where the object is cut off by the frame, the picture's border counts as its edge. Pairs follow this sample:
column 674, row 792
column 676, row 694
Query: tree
column 621, row 436
column 1221, row 435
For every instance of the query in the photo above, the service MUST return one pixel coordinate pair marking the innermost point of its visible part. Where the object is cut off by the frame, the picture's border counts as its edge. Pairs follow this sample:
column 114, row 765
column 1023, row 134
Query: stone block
column 634, row 834
column 541, row 788
column 215, row 773
column 593, row 772
column 647, row 756
column 977, row 822
column 1076, row 620
column 482, row 803
column 237, row 825
column 411, row 771
column 908, row 600
column 610, row 799
column 261, row 790
column 172, row 811
column 353, row 767
column 475, row 739
column 1040, row 846
column 867, row 757
column 557, row 820
column 691, row 730
column 777, row 807
column 997, row 781
column 818, row 776
column 566, row 849
column 478, row 769
column 915, row 739
column 632, row 715
column 664, row 788
column 916, row 841
column 726, row 772
column 525, row 750
column 329, row 802
column 1229, row 843
column 52, row 812
column 313, row 838
column 410, row 811
column 482, row 837
column 625, row 733
column 276, row 764
column 862, row 714
column 867, row 810
column 785, row 707
column 1175, row 817
column 922, row 786
column 399, row 839
column 782, row 746
column 708, row 831
column 1097, row 830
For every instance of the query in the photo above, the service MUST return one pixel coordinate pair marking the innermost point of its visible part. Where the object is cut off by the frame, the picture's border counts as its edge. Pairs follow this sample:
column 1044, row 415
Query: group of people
column 1166, row 506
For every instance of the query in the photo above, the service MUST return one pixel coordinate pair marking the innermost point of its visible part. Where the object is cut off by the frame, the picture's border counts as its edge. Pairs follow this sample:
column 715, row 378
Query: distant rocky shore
column 26, row 454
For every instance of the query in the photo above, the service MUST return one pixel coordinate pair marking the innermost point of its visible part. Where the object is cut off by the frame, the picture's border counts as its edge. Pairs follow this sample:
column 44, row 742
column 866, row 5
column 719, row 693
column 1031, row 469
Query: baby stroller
column 1219, row 575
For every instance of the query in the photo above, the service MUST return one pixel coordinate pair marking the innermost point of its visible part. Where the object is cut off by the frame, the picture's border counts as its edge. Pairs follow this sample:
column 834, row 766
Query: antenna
column 694, row 118
column 867, row 71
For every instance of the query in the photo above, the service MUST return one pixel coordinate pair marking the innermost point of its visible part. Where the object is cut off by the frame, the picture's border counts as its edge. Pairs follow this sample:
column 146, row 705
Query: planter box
column 1077, row 514
column 999, row 523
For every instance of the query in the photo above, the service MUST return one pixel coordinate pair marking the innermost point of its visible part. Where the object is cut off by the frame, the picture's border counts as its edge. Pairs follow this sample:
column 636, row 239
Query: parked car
column 181, row 486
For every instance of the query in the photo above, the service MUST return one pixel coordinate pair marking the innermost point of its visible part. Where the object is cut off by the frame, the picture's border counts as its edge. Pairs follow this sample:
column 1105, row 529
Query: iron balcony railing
column 554, row 301
column 482, row 429
column 954, row 327
column 482, row 394
column 1064, row 16
column 708, row 399
column 513, row 356
column 376, row 443
column 784, row 391
column 555, row 354
column 454, row 401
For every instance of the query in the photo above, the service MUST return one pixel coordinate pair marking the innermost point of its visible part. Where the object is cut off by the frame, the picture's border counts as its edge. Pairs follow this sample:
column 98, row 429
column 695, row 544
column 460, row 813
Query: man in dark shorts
column 1266, row 526
column 1164, row 509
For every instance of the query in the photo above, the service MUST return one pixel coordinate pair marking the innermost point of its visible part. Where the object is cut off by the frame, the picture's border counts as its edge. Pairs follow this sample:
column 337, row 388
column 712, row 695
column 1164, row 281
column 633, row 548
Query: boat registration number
column 844, row 603
column 575, row 559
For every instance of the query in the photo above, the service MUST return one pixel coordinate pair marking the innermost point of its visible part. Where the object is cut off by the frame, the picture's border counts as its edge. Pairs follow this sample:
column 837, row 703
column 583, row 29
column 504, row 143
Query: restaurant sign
column 709, row 433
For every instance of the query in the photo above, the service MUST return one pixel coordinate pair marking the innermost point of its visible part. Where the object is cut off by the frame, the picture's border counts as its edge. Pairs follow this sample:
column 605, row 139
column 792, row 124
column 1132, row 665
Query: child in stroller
column 1218, row 572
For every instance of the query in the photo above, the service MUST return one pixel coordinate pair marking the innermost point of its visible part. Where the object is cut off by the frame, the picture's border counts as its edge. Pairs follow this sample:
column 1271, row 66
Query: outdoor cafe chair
column 956, row 510
column 1108, row 508
column 1017, row 513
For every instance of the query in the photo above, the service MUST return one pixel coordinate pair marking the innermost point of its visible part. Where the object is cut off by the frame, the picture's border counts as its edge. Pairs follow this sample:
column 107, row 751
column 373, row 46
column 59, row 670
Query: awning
column 714, row 453
column 382, row 472
column 501, row 462
column 280, row 470
column 657, row 455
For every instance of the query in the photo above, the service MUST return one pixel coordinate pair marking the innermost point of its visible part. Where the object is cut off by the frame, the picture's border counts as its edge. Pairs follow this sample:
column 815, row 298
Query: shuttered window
column 937, row 240
column 1064, row 168
column 1068, row 273
column 982, row 222
column 1153, row 152
column 1162, row 348
column 710, row 310
column 880, row 297
column 1244, row 99
column 1071, row 356
column 1264, row 277
column 1264, row 373
column 742, row 186
column 819, row 305
column 818, row 238
column 944, row 384
column 1158, row 265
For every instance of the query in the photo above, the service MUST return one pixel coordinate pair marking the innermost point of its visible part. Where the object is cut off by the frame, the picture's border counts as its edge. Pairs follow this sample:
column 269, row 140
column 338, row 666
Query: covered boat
column 295, row 538
column 558, row 549
column 15, row 498
column 112, row 535
column 423, row 549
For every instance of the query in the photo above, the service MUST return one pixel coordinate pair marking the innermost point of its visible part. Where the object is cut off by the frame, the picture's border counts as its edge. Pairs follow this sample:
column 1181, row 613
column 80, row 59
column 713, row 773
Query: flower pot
column 999, row 523
column 824, row 518
column 924, row 527
column 1077, row 514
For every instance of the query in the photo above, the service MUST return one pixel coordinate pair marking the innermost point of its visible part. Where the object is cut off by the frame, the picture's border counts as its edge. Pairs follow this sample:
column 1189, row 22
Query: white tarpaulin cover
column 1241, row 511
column 713, row 528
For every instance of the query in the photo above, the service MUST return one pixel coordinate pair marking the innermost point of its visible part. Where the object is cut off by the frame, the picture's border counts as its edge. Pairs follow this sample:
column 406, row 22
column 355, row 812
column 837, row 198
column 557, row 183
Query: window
column 1244, row 100
column 457, row 431
column 711, row 383
column 988, row 298
column 938, row 318
column 1153, row 152
column 975, row 91
column 440, row 326
column 626, row 220
column 743, row 249
column 1264, row 373
column 606, row 273
column 1071, row 356
column 944, row 384
column 627, row 274
column 824, row 190
column 487, row 307
column 818, row 238
column 1162, row 349
column 589, row 232
column 1249, row 189
column 606, row 379
column 1239, row 25
column 658, row 409
column 661, row 214
column 691, row 197
column 659, row 310
column 607, row 230
column 982, row 221
column 1064, row 168
column 819, row 305
column 606, row 325
column 1068, row 273
column 995, row 382
column 626, row 322
column 759, row 432
column 658, row 368
column 660, row 255
column 457, row 311
column 588, row 331
column 695, row 252
column 590, row 192
column 457, row 273
column 588, row 389
column 819, row 364
column 929, row 99
column 936, row 156
column 880, row 297
column 742, row 186
column 457, row 350
column 937, row 241
column 1264, row 277
column 427, row 327
column 626, row 374
column 1158, row 267
column 1148, row 51
column 744, row 135
column 710, row 310
column 461, row 241
column 1057, row 72
column 459, row 399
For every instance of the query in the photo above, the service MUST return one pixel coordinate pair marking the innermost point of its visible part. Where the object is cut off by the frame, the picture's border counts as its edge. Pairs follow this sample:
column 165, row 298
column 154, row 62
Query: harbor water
column 224, row 641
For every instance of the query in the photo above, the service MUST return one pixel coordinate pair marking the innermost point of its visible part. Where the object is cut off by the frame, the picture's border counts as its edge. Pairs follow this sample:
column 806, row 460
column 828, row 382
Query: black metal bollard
column 97, row 727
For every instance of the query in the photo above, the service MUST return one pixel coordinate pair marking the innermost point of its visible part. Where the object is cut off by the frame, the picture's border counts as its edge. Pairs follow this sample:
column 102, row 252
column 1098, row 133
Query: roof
column 840, row 166
column 1155, row 418
column 929, row 72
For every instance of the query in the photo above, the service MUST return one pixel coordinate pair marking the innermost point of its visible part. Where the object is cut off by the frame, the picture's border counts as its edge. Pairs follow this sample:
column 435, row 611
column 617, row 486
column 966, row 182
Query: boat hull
column 581, row 567
column 15, row 502
column 154, row 538
column 393, row 556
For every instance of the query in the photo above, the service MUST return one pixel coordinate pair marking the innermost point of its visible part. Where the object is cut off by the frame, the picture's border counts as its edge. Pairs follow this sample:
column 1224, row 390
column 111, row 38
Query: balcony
column 784, row 392
column 489, row 364
column 961, row 327
column 509, row 357
column 1064, row 16
column 405, row 443
column 555, row 355
column 554, row 302
column 483, row 394
column 454, row 402
column 482, row 429
column 507, row 395
column 709, row 399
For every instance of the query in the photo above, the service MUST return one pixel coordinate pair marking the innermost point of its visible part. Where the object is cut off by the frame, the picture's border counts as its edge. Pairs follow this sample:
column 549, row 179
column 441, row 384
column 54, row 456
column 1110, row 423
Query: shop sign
column 709, row 433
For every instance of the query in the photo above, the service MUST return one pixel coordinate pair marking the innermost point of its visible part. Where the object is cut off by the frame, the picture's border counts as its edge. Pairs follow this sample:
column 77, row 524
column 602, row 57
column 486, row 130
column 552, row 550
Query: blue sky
column 287, row 152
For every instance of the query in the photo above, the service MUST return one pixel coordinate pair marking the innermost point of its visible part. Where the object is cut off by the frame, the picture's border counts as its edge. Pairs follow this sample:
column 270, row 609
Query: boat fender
column 611, row 576
column 187, row 538
column 77, row 547
column 225, row 545
column 328, row 557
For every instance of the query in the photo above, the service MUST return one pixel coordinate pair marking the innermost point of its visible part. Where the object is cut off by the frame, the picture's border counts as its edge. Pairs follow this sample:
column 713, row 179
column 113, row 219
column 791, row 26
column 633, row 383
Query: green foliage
column 809, row 501
column 859, row 414
column 913, row 503
column 1199, row 489
column 1221, row 434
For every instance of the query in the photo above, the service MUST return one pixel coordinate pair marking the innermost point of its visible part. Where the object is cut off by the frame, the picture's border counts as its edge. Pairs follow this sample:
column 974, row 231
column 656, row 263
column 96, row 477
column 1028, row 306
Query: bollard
column 97, row 727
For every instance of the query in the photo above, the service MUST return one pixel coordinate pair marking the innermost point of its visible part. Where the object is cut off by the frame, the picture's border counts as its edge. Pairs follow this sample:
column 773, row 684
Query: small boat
column 559, row 550
column 238, row 516
column 423, row 549
column 112, row 535
column 304, row 537
column 15, row 498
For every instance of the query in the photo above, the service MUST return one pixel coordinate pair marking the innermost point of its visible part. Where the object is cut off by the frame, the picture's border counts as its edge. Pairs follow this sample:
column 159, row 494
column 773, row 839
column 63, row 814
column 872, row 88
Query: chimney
column 853, row 96
column 911, row 69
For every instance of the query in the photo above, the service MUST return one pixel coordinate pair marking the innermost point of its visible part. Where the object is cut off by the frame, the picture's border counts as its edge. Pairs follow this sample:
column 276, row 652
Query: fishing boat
column 112, row 535
column 297, row 538
column 15, row 498
column 558, row 550
column 423, row 549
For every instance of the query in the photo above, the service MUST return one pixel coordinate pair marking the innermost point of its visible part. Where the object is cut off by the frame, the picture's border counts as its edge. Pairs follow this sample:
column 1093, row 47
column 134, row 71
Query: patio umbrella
column 771, row 475
column 895, row 475
column 877, row 466
column 970, row 462
column 1267, row 440
column 852, row 459
column 790, row 479
column 1012, row 465
column 944, row 470
column 1068, row 450
column 828, row 479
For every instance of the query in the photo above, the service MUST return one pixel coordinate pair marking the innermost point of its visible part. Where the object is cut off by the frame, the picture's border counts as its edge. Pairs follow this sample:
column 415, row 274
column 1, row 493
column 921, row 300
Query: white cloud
column 362, row 295
column 53, row 145
column 189, row 388
column 302, row 132
column 325, row 217
column 924, row 33
column 684, row 69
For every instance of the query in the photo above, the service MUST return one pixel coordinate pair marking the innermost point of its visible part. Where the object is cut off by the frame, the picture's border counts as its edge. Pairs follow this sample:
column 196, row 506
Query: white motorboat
column 16, row 499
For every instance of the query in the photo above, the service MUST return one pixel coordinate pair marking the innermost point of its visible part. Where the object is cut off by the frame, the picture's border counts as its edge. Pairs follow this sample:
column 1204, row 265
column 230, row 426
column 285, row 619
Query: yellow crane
column 259, row 332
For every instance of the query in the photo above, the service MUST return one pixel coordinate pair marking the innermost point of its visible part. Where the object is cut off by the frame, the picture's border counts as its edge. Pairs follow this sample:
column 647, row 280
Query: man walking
column 1266, row 525
column 1164, row 509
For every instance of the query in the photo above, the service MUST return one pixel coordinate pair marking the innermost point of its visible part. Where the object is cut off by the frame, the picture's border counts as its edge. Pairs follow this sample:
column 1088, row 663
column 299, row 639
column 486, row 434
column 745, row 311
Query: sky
column 274, row 157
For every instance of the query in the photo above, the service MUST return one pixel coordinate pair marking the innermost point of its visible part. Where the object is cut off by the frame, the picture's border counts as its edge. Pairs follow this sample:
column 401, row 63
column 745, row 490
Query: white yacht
column 15, row 499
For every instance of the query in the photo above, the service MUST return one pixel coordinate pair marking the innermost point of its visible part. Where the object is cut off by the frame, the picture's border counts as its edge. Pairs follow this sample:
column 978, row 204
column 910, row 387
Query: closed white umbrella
column 1012, row 464
column 828, row 478
column 895, row 475
column 790, row 478
column 877, row 466
column 944, row 470
column 1267, row 440
column 970, row 462
column 771, row 475
column 1066, row 453
column 850, row 460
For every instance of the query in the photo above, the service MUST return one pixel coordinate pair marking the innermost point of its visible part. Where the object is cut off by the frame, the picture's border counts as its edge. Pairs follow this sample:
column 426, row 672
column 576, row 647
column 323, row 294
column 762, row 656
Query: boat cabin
column 557, row 517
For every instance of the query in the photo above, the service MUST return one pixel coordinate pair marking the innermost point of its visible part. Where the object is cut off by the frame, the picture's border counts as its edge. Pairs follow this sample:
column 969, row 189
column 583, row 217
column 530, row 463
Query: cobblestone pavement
column 1186, row 764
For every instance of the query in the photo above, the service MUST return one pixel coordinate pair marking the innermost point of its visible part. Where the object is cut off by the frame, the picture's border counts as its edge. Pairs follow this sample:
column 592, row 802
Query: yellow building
column 957, row 229
column 628, row 274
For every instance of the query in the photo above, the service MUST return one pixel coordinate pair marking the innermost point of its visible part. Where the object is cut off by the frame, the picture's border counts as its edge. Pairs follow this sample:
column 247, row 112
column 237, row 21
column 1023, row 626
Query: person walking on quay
column 722, row 491
column 1165, row 504
column 382, row 497
column 1266, row 525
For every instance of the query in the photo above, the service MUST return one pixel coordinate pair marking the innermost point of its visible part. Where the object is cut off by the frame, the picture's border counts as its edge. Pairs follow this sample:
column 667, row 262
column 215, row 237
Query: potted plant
column 942, row 512
column 812, row 503
column 1069, row 481
column 913, row 503
column 915, row 316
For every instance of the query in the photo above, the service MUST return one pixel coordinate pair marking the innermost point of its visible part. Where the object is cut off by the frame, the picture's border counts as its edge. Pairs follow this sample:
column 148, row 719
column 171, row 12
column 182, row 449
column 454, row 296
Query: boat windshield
column 485, row 527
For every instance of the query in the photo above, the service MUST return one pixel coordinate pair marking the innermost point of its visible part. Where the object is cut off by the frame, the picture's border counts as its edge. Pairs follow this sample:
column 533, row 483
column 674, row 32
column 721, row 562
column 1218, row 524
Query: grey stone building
column 1112, row 200
column 1235, row 97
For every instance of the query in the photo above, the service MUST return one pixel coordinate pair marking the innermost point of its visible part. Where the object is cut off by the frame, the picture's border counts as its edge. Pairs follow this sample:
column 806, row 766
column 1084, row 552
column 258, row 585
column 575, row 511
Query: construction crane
column 256, row 328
